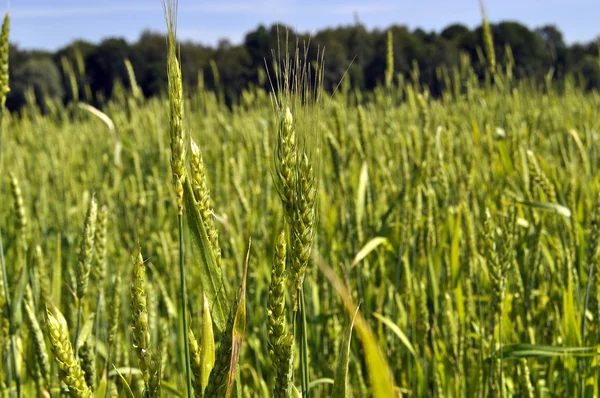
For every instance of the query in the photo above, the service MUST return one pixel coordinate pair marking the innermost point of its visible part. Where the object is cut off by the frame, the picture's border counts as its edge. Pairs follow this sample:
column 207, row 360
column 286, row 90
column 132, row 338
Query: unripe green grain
column 22, row 223
column 202, row 196
column 488, row 42
column 42, row 363
column 149, row 365
column 363, row 131
column 115, row 307
column 70, row 372
column 276, row 303
column 217, row 383
column 280, row 341
column 539, row 179
column 389, row 69
column 196, row 364
column 176, row 130
column 285, row 162
column 86, row 249
column 87, row 357
column 100, row 246
column 4, row 51
column 303, row 220
column 44, row 275
column 526, row 387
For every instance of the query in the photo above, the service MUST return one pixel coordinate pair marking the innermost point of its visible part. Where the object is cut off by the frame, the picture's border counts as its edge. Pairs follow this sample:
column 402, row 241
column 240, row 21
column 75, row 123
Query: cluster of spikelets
column 295, row 179
column 280, row 338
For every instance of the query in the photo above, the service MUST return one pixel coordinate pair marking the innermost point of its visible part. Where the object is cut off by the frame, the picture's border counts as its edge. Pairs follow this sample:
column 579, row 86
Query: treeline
column 94, row 70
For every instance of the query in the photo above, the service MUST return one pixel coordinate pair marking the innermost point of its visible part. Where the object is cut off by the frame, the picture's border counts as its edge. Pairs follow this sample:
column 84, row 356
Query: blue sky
column 50, row 24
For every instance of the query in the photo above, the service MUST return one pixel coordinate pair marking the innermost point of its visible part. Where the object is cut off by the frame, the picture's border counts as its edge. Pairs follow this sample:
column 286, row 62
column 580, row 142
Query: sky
column 52, row 24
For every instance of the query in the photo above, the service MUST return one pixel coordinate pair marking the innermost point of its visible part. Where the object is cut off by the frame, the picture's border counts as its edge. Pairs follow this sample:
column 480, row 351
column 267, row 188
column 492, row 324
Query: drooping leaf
column 368, row 248
column 295, row 393
column 380, row 375
column 547, row 206
column 129, row 371
column 340, row 383
column 125, row 385
column 211, row 276
column 86, row 329
column 397, row 331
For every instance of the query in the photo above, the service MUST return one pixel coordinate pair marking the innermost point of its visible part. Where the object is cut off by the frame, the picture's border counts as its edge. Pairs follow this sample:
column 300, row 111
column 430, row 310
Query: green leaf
column 340, row 384
column 207, row 344
column 85, row 330
column 211, row 277
column 295, row 393
column 101, row 389
column 570, row 321
column 239, row 329
column 125, row 385
column 129, row 371
column 100, row 349
column 368, row 248
column 166, row 386
column 387, row 322
column 547, row 206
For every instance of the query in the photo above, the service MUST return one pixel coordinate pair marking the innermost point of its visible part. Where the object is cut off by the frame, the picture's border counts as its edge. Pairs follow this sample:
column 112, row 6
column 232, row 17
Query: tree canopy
column 352, row 51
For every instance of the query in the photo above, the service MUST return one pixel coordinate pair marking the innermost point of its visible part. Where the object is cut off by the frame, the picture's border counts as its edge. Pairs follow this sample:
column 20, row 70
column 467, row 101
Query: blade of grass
column 396, row 330
column 207, row 344
column 239, row 329
column 340, row 383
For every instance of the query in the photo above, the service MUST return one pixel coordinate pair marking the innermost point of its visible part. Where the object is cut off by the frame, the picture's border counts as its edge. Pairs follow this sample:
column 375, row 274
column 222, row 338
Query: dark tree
column 351, row 51
column 38, row 76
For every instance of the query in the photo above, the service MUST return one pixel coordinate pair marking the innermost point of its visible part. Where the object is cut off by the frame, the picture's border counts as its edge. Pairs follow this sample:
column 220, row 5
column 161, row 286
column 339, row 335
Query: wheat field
column 303, row 243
